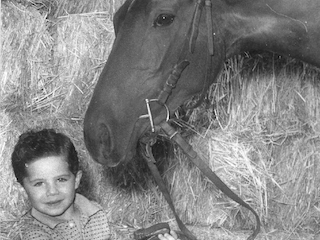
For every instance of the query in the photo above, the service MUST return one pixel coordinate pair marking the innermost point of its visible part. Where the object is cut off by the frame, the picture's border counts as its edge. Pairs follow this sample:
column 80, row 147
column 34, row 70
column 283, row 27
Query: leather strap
column 154, row 170
column 172, row 81
column 205, row 169
column 151, row 232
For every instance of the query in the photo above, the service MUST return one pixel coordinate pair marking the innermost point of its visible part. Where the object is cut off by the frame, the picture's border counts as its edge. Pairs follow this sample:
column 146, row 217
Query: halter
column 171, row 133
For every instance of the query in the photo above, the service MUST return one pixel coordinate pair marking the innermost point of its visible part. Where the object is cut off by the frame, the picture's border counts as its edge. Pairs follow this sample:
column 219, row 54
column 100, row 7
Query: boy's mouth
column 53, row 203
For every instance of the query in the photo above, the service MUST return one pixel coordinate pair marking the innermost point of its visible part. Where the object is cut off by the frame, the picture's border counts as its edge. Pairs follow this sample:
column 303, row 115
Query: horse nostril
column 108, row 157
column 105, row 139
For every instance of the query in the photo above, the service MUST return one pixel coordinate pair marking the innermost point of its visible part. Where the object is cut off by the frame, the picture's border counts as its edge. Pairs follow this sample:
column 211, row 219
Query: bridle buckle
column 149, row 114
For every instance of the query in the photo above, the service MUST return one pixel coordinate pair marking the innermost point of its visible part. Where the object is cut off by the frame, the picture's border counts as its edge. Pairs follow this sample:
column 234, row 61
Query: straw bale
column 26, row 54
column 57, row 8
column 66, row 7
column 72, row 55
column 83, row 44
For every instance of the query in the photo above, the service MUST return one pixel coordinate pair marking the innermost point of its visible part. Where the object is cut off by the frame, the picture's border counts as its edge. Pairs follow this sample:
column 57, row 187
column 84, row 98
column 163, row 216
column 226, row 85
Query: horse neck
column 263, row 26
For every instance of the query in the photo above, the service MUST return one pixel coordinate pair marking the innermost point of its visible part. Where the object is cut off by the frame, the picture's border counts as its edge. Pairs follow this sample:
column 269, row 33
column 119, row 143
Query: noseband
column 171, row 133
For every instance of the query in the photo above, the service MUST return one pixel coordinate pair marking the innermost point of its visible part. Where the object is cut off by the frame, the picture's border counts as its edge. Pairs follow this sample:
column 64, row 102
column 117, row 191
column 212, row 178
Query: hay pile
column 263, row 140
column 270, row 116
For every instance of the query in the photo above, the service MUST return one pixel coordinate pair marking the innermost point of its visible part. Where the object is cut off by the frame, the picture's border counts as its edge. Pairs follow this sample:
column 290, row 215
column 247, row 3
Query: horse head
column 151, row 38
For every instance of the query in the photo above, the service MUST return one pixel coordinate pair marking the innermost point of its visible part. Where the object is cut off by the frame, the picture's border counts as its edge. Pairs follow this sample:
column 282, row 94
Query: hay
column 83, row 42
column 58, row 8
column 230, row 157
column 284, row 114
column 276, row 118
column 24, row 35
column 261, row 138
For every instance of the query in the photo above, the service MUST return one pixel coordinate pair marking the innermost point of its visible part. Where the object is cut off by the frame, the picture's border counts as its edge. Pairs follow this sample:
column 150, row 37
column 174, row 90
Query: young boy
column 46, row 164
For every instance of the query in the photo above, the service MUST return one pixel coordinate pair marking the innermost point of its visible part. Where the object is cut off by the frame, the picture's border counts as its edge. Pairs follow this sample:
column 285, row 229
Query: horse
column 149, row 39
column 175, row 49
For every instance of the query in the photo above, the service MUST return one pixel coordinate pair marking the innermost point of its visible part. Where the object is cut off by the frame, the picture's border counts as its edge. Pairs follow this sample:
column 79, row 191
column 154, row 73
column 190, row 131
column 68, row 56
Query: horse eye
column 163, row 20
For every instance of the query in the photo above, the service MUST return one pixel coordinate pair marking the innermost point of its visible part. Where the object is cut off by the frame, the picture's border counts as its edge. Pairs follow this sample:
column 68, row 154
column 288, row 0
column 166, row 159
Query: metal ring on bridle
column 149, row 115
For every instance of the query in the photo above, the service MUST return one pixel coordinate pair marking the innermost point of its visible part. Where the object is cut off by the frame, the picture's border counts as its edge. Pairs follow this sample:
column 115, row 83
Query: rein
column 174, row 135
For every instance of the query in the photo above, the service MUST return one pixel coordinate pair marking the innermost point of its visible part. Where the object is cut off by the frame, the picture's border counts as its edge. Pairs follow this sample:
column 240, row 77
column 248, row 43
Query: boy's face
column 51, row 187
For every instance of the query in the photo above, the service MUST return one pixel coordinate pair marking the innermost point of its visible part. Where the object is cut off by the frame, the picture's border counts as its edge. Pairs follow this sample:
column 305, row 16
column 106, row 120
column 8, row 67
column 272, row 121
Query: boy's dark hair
column 33, row 145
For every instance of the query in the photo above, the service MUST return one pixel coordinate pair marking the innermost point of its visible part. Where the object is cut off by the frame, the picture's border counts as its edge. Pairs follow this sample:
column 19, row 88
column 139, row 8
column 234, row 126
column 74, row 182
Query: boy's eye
column 38, row 184
column 62, row 179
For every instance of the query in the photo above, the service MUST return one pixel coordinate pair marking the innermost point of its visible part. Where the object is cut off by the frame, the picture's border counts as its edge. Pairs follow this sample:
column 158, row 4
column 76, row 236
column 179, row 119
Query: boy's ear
column 78, row 178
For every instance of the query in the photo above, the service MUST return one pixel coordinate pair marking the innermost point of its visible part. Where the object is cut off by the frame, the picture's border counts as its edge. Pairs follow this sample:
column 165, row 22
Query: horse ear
column 120, row 15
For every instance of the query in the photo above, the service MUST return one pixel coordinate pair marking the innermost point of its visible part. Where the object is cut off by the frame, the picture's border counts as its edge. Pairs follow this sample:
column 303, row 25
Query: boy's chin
column 59, row 211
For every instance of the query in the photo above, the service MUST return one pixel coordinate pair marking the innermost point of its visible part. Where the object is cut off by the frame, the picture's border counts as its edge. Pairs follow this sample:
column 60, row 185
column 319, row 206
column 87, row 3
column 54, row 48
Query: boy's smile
column 51, row 186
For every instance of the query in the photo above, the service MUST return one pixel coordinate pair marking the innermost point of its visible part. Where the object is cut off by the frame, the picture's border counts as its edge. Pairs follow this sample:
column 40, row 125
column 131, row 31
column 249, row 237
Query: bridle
column 188, row 47
column 171, row 133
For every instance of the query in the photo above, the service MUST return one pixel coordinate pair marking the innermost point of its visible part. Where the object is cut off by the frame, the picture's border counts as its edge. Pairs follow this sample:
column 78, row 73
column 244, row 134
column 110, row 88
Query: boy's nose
column 52, row 189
